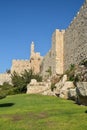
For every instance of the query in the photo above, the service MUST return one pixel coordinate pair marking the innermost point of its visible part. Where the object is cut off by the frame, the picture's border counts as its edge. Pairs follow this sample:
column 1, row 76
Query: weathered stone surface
column 81, row 72
column 82, row 92
column 48, row 92
column 82, row 88
column 54, row 58
column 64, row 79
column 65, row 89
column 62, row 87
column 33, row 82
column 72, row 94
column 60, row 84
column 75, row 39
column 43, row 88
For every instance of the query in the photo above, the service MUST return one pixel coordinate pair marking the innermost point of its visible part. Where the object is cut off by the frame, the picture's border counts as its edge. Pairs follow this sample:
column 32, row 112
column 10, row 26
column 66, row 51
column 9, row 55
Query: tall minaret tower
column 32, row 49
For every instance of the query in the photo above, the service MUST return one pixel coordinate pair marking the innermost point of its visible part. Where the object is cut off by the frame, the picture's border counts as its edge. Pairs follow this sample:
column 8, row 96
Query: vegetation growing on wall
column 49, row 71
column 78, row 72
column 84, row 62
column 70, row 72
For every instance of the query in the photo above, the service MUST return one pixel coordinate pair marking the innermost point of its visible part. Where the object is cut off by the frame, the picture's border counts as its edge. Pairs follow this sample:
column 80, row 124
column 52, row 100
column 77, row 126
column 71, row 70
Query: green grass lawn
column 36, row 112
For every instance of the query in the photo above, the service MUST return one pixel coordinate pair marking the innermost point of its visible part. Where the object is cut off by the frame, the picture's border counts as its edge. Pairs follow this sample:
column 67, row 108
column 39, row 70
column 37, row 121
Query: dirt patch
column 41, row 115
column 29, row 116
column 17, row 117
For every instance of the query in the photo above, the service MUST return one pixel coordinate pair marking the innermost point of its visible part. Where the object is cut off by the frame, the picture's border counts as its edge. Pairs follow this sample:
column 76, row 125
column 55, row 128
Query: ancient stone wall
column 75, row 39
column 20, row 66
column 57, row 51
column 68, row 47
column 54, row 58
column 5, row 78
column 35, row 62
column 46, row 63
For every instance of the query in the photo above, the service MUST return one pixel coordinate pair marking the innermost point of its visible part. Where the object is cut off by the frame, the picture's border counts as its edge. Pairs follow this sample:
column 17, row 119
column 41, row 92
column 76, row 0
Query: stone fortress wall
column 75, row 39
column 20, row 66
column 69, row 46
column 54, row 58
column 5, row 78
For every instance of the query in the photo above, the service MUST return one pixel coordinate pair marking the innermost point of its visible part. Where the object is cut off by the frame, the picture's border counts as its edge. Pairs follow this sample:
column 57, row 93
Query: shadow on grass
column 6, row 104
column 86, row 111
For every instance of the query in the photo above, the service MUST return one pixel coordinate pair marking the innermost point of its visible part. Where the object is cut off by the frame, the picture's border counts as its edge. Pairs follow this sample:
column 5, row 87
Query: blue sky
column 24, row 21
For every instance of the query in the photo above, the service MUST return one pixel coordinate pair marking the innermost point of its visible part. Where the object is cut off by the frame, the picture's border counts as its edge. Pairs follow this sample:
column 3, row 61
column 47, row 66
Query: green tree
column 6, row 89
column 20, row 81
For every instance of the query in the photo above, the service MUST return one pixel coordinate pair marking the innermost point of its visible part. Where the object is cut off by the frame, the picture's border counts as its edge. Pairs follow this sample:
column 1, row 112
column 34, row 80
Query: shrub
column 37, row 77
column 2, row 95
column 6, row 89
column 20, row 81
